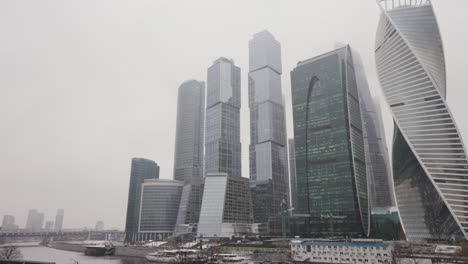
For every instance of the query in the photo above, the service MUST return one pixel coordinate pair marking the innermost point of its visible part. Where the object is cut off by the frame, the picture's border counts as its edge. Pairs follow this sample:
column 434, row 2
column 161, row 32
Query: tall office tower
column 142, row 169
column 160, row 201
column 330, row 159
column 381, row 194
column 49, row 226
column 8, row 223
column 188, row 157
column 430, row 166
column 268, row 153
column 226, row 208
column 59, row 219
column 35, row 221
column 222, row 137
column 292, row 174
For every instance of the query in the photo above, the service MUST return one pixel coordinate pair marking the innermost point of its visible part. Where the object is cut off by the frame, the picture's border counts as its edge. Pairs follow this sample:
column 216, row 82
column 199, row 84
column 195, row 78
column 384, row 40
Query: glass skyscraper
column 430, row 166
column 142, row 169
column 222, row 137
column 160, row 199
column 188, row 155
column 292, row 173
column 59, row 219
column 330, row 160
column 381, row 194
column 268, row 153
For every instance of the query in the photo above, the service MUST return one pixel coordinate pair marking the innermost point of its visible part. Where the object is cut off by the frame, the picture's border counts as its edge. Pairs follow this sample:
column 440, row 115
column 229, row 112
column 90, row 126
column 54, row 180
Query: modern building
column 8, row 223
column 59, row 219
column 222, row 131
column 330, row 161
column 268, row 151
column 430, row 166
column 99, row 226
column 49, row 225
column 189, row 155
column 160, row 200
column 190, row 125
column 35, row 221
column 356, row 251
column 226, row 207
column 292, row 174
column 381, row 193
column 142, row 169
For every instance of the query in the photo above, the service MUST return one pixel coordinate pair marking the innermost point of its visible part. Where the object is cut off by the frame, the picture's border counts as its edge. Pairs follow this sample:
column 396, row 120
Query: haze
column 87, row 85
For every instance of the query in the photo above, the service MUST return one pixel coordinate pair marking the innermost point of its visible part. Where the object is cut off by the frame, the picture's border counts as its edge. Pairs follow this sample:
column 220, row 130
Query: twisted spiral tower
column 430, row 165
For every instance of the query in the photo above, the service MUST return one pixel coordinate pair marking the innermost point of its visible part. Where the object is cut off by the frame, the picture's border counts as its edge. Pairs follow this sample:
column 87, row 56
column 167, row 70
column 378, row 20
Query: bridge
column 78, row 235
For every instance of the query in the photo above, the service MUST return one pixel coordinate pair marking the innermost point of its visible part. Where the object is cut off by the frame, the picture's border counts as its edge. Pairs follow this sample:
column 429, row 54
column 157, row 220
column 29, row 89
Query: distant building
column 142, row 169
column 226, row 207
column 99, row 226
column 35, row 221
column 292, row 173
column 49, row 226
column 8, row 223
column 59, row 219
column 160, row 199
column 189, row 156
column 356, row 251
column 222, row 127
column 268, row 152
column 330, row 160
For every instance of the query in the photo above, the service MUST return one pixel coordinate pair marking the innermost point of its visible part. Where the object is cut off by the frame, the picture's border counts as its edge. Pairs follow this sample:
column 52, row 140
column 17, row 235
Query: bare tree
column 10, row 252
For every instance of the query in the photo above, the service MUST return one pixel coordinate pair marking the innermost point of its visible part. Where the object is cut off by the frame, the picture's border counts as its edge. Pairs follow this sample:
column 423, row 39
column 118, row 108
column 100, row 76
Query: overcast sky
column 87, row 85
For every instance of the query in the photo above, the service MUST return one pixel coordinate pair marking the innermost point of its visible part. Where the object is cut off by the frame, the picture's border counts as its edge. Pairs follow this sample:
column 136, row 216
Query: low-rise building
column 356, row 251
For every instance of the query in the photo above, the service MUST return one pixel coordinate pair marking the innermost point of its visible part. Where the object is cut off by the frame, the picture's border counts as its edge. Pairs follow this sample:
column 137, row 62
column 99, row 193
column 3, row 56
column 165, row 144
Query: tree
column 10, row 252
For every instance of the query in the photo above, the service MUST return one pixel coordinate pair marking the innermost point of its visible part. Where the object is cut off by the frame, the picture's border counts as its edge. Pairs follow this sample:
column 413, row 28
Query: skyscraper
column 381, row 194
column 268, row 153
column 35, row 221
column 222, row 137
column 430, row 166
column 49, row 225
column 292, row 173
column 141, row 170
column 188, row 157
column 188, row 154
column 225, row 188
column 59, row 219
column 8, row 223
column 99, row 226
column 330, row 160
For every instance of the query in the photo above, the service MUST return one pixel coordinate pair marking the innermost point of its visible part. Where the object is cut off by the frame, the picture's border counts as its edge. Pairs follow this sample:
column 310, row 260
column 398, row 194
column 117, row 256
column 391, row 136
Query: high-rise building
column 268, row 153
column 222, row 133
column 330, row 160
column 226, row 208
column 381, row 194
column 99, row 226
column 430, row 166
column 142, row 169
column 49, row 225
column 8, row 223
column 35, row 221
column 59, row 219
column 189, row 156
column 160, row 201
column 292, row 174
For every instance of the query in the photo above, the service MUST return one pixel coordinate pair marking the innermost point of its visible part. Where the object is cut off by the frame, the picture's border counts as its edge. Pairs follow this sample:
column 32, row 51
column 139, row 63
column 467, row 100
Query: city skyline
column 70, row 153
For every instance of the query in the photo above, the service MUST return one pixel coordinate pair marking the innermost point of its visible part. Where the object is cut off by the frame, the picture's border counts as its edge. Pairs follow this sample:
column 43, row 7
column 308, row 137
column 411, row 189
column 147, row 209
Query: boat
column 105, row 248
column 228, row 258
column 177, row 256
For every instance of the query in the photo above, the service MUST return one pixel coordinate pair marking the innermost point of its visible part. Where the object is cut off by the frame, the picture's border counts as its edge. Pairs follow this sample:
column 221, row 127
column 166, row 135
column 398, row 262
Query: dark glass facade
column 142, row 169
column 292, row 173
column 330, row 162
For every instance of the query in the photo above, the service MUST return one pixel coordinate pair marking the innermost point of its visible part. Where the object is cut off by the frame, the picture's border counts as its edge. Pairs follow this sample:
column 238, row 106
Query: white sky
column 87, row 85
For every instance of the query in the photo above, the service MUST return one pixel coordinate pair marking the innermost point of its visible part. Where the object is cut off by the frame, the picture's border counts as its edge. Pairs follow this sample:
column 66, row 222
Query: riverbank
column 122, row 251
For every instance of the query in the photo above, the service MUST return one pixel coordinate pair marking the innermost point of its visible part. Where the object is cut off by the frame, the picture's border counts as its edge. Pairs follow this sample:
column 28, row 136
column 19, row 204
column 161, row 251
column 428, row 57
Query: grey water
column 69, row 257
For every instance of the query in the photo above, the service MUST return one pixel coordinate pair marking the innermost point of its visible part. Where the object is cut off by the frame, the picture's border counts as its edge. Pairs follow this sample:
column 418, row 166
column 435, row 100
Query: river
column 69, row 257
